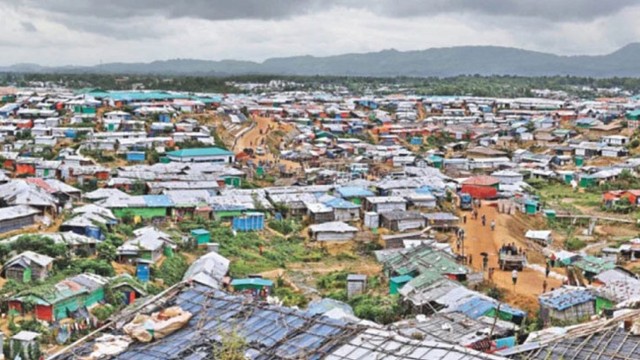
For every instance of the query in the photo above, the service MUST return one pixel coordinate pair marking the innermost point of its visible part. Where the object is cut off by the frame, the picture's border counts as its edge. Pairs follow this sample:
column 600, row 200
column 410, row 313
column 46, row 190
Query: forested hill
column 441, row 62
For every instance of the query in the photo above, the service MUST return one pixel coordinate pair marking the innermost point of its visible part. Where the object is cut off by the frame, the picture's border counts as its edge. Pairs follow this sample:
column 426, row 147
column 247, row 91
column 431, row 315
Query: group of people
column 511, row 249
column 483, row 218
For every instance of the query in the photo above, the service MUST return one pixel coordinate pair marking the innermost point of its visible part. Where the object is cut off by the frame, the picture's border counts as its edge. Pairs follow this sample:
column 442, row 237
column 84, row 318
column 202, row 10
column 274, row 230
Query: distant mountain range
column 462, row 60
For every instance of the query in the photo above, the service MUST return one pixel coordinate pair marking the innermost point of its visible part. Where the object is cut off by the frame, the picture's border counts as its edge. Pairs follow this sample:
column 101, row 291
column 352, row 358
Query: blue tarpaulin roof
column 477, row 307
column 354, row 191
column 157, row 201
column 339, row 203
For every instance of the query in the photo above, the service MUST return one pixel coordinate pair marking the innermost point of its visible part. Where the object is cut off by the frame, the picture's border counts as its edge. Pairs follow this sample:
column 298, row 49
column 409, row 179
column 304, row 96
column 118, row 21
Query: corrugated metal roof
column 566, row 297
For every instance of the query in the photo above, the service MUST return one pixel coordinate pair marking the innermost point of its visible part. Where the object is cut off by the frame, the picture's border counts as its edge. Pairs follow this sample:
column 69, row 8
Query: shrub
column 290, row 297
column 381, row 309
column 40, row 244
column 284, row 227
column 172, row 269
column 333, row 280
column 103, row 312
column 574, row 244
column 107, row 251
column 100, row 267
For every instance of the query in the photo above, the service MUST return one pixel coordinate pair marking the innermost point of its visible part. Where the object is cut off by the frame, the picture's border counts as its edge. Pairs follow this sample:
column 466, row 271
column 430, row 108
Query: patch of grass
column 284, row 227
column 250, row 254
column 290, row 297
column 333, row 280
column 172, row 269
column 381, row 309
column 574, row 244
column 555, row 193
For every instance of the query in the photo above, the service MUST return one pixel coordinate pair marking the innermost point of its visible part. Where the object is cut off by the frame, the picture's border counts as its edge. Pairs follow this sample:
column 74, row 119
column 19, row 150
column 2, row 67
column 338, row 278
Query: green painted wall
column 586, row 182
column 226, row 214
column 501, row 315
column 235, row 181
column 62, row 309
column 203, row 239
column 168, row 252
column 247, row 286
column 602, row 303
column 94, row 297
column 145, row 213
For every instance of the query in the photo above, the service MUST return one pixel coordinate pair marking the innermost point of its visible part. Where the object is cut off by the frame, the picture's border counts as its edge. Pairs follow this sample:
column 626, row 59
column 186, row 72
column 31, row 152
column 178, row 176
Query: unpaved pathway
column 257, row 137
column 481, row 239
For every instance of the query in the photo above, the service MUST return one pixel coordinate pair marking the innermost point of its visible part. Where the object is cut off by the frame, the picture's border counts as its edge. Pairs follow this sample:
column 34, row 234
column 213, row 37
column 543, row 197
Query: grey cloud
column 554, row 10
column 28, row 26
column 203, row 9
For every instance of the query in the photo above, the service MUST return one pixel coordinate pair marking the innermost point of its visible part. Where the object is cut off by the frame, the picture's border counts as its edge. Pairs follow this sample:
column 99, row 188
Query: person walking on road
column 485, row 262
column 464, row 219
column 514, row 276
column 484, row 220
column 547, row 270
column 493, row 225
column 544, row 286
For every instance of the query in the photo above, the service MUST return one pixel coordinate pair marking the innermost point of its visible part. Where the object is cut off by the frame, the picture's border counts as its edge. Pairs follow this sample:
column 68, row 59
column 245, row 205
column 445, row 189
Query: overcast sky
column 87, row 32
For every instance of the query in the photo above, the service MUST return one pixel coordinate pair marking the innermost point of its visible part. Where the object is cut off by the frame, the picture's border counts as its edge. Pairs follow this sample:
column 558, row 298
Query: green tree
column 107, row 251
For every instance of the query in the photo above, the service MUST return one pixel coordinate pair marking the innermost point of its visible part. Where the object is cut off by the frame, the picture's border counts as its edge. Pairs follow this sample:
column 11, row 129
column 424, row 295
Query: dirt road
column 253, row 138
column 481, row 239
column 257, row 137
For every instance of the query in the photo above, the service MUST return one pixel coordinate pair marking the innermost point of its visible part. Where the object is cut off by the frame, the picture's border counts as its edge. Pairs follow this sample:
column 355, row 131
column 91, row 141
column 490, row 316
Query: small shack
column 442, row 220
column 481, row 187
column 143, row 269
column 356, row 284
column 567, row 304
column 28, row 266
column 402, row 220
column 319, row 213
column 371, row 220
column 542, row 237
column 251, row 221
column 332, row 231
column 382, row 204
column 257, row 287
column 531, row 207
column 24, row 345
column 201, row 236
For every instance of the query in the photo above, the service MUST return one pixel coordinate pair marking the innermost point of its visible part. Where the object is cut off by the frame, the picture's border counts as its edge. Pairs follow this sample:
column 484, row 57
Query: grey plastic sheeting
column 270, row 331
